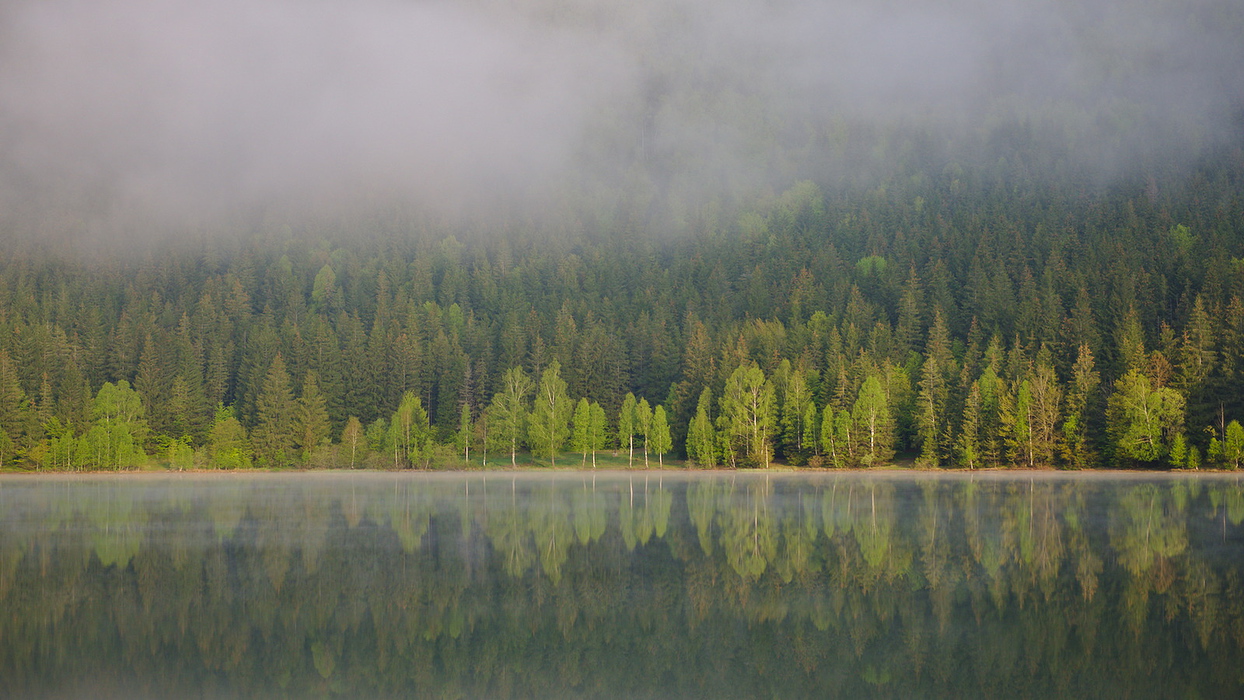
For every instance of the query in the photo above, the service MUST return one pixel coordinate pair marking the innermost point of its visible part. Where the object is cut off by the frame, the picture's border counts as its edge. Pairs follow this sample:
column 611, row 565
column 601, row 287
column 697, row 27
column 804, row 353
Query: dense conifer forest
column 964, row 319
column 739, row 247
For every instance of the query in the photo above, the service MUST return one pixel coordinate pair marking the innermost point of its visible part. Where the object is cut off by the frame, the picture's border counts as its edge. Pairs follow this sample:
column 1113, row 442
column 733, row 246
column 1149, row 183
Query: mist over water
column 177, row 113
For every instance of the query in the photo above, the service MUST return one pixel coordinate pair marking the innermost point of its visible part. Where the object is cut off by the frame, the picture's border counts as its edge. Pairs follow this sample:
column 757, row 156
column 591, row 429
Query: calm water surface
column 622, row 586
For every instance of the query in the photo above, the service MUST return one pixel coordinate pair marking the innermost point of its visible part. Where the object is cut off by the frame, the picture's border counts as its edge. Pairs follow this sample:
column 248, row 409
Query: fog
column 177, row 113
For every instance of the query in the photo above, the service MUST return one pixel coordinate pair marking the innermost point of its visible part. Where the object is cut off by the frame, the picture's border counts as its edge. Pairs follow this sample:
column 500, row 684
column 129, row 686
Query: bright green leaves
column 1142, row 420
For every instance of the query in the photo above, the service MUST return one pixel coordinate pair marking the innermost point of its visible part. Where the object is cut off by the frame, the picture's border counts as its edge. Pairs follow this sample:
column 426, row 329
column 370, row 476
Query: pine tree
column 311, row 427
column 273, row 437
column 1046, row 411
column 1084, row 381
column 15, row 411
column 934, row 394
column 969, row 446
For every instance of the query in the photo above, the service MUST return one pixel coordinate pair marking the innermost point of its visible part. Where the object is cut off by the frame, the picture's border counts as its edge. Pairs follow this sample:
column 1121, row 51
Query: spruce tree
column 311, row 427
column 273, row 437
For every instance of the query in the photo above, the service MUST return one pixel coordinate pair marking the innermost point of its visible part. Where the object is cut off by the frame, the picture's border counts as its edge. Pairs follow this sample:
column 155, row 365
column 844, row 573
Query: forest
column 976, row 318
column 738, row 248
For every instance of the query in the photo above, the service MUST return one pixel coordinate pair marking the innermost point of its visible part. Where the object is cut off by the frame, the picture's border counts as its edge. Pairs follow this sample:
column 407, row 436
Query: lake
column 622, row 585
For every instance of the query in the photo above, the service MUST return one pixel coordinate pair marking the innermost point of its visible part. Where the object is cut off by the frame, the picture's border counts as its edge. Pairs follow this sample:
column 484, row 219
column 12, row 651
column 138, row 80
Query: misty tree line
column 960, row 319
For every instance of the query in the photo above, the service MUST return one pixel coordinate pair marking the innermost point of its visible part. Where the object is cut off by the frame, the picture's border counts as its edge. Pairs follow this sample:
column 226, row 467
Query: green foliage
column 311, row 428
column 409, row 434
column 274, row 436
column 748, row 409
column 227, row 446
column 1142, row 420
column 873, row 426
column 580, row 440
column 507, row 413
column 465, row 434
column 354, row 446
column 1233, row 446
column 659, row 434
column 643, row 424
column 598, row 430
column 627, row 428
column 943, row 286
column 550, row 415
column 116, row 435
column 701, row 438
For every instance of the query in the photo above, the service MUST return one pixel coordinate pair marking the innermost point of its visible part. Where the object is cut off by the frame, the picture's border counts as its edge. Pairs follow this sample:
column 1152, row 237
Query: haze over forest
column 124, row 119
column 961, row 234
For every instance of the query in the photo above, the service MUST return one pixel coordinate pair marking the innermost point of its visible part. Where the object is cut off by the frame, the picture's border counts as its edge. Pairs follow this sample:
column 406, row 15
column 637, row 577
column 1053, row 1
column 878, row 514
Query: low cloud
column 178, row 111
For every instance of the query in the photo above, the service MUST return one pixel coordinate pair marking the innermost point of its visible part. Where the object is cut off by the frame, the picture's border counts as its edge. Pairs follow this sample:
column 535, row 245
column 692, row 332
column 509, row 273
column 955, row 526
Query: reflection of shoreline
column 863, row 576
column 684, row 474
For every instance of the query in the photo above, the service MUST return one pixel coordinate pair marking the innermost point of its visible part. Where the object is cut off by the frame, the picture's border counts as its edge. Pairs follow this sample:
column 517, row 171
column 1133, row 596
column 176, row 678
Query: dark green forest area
column 966, row 317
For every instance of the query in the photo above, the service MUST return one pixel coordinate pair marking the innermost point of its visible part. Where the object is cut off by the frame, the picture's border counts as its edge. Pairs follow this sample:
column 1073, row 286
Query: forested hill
column 965, row 317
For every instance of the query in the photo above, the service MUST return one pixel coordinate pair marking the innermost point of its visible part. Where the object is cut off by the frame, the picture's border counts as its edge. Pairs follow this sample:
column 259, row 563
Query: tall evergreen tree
column 1084, row 380
column 15, row 410
column 931, row 422
column 273, row 437
column 311, row 427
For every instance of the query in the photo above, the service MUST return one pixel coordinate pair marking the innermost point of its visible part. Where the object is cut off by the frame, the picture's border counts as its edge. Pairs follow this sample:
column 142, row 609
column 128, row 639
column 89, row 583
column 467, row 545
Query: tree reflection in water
column 622, row 585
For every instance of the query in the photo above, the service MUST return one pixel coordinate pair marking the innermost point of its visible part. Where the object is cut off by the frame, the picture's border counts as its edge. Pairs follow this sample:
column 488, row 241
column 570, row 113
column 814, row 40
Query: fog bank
column 178, row 112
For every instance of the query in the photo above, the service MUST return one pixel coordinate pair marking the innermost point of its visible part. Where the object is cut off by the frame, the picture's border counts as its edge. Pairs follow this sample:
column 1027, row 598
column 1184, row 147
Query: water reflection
column 648, row 585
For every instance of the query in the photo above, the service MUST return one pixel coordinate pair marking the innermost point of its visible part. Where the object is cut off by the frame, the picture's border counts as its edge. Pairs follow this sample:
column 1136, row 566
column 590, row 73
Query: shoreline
column 879, row 472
